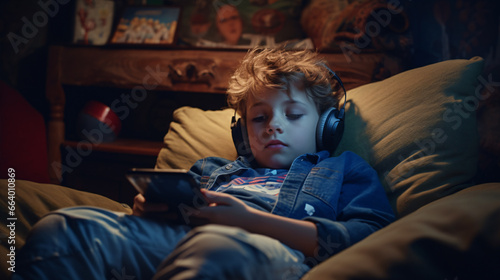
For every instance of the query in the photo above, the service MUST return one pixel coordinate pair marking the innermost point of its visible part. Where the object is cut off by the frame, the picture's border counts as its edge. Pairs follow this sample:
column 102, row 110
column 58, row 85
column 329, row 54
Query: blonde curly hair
column 277, row 68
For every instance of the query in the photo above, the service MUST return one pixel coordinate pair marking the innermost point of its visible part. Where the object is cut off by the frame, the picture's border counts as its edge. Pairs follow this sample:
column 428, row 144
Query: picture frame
column 242, row 24
column 148, row 25
column 93, row 22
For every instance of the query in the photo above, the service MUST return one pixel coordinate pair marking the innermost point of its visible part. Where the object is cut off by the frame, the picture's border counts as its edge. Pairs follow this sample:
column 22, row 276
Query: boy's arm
column 297, row 234
column 363, row 208
column 228, row 210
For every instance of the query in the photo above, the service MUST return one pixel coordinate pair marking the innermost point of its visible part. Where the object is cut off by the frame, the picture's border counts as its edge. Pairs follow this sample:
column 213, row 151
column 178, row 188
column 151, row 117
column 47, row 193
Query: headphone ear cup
column 329, row 130
column 240, row 138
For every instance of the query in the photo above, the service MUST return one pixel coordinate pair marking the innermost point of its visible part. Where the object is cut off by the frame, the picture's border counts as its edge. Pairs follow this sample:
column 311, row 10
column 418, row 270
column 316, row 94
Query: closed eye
column 294, row 116
column 259, row 119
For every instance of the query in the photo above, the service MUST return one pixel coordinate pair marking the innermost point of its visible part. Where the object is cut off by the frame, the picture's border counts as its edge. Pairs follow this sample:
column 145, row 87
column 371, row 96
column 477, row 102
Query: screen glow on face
column 281, row 126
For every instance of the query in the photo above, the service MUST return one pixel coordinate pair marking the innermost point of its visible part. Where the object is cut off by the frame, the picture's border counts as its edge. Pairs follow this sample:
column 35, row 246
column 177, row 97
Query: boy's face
column 281, row 126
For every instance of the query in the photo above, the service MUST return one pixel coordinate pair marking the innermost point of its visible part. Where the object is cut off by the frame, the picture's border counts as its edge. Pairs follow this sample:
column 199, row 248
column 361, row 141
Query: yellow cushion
column 195, row 134
column 418, row 130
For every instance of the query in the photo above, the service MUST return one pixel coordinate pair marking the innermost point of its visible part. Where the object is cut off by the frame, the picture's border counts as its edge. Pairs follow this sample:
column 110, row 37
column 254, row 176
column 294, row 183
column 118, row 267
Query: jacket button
column 229, row 166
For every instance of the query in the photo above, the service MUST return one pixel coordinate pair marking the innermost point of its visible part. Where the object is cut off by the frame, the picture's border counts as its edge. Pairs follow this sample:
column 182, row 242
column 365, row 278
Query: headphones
column 329, row 129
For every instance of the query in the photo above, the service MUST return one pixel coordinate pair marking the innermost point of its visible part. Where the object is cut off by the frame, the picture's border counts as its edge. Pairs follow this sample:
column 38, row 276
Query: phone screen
column 175, row 187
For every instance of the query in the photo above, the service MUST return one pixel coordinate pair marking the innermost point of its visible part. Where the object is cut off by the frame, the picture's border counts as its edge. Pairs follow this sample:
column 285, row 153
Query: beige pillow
column 408, row 127
column 418, row 130
column 196, row 134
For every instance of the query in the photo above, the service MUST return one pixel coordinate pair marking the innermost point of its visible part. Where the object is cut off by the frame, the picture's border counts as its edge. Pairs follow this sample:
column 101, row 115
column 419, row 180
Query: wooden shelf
column 124, row 146
column 179, row 70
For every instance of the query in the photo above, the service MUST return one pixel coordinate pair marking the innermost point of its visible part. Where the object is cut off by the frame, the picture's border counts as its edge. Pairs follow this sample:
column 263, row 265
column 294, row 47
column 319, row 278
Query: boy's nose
column 274, row 126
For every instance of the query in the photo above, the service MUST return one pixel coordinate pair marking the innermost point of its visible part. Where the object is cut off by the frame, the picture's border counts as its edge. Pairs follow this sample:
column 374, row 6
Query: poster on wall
column 93, row 21
column 147, row 25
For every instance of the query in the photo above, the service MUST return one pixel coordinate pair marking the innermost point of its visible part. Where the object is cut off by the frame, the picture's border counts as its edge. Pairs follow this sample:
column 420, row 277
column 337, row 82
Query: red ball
column 97, row 123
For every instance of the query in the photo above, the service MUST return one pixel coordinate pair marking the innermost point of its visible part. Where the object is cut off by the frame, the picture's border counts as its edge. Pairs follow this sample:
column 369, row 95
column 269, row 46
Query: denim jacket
column 341, row 195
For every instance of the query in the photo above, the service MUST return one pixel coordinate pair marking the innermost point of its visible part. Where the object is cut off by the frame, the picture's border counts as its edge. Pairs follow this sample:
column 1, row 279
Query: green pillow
column 418, row 130
column 409, row 127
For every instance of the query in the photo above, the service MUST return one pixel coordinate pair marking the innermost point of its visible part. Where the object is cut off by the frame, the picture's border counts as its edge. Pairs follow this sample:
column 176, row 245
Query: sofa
column 417, row 129
column 431, row 133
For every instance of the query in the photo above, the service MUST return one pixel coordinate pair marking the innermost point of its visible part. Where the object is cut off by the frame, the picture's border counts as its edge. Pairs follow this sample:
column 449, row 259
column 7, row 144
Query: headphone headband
column 337, row 78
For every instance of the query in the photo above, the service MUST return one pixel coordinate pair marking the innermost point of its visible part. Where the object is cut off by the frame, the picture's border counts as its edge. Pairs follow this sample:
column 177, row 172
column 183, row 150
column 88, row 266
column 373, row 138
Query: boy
column 272, row 214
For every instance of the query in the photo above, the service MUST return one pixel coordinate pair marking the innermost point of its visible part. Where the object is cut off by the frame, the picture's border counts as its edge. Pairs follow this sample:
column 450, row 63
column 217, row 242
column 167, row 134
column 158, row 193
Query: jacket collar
column 249, row 161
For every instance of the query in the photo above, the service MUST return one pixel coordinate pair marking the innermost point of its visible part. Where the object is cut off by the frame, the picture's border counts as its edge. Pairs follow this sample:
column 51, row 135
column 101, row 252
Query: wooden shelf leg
column 55, row 95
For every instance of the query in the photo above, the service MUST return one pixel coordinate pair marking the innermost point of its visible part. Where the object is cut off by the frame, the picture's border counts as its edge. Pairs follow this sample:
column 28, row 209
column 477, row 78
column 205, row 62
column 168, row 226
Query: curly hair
column 277, row 69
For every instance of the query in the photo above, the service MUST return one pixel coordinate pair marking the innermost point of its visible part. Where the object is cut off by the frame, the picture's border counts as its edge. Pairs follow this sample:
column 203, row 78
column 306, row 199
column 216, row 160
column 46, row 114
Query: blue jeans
column 93, row 243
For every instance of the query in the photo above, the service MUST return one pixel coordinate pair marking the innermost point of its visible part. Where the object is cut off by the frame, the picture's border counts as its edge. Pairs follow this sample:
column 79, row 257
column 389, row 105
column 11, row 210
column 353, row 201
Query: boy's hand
column 142, row 207
column 228, row 210
column 225, row 209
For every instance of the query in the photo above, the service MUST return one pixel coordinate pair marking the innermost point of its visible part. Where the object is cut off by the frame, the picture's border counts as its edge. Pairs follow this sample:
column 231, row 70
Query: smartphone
column 175, row 187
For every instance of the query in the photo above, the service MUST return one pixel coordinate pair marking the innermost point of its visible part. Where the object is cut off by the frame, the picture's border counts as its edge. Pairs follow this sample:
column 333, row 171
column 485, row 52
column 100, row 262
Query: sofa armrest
column 32, row 201
column 456, row 237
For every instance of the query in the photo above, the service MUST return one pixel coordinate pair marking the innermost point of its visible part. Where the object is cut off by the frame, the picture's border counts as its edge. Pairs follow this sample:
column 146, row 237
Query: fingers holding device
column 172, row 187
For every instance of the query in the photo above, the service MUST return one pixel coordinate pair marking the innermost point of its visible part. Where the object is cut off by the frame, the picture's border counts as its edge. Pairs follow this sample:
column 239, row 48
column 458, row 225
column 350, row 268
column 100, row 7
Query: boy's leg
column 92, row 243
column 221, row 252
